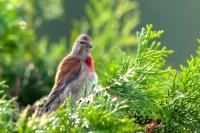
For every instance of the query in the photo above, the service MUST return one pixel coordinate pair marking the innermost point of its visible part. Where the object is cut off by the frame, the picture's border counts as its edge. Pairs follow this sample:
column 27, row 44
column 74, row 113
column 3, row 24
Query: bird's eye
column 82, row 42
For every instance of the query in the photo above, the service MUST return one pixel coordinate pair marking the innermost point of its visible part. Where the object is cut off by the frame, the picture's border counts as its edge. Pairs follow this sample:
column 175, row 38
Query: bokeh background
column 179, row 19
column 35, row 35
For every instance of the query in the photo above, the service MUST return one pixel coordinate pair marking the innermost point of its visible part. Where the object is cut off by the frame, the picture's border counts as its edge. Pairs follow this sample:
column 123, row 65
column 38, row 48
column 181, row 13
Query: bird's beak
column 89, row 45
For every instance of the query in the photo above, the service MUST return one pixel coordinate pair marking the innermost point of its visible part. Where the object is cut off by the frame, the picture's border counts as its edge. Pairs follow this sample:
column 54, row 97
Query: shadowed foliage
column 136, row 89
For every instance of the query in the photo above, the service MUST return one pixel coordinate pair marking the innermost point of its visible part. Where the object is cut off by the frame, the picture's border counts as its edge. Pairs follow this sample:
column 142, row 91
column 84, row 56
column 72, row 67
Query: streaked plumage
column 75, row 76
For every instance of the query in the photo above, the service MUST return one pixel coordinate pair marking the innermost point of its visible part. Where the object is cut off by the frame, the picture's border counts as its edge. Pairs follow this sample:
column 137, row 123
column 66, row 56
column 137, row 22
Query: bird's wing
column 68, row 70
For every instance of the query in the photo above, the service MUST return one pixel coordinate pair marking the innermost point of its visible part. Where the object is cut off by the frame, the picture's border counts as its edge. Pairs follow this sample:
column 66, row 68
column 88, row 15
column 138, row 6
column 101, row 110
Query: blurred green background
column 35, row 35
column 179, row 19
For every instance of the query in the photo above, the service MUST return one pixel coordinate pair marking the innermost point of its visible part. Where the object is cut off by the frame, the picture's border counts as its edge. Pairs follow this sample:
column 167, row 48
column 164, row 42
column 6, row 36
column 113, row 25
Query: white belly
column 89, row 84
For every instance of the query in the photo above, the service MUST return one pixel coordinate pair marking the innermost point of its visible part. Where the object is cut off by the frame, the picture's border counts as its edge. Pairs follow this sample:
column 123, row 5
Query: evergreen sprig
column 141, row 80
column 142, row 89
column 183, row 98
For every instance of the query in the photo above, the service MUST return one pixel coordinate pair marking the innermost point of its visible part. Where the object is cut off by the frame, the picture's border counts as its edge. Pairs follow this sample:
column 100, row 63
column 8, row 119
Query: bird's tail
column 47, row 108
column 53, row 101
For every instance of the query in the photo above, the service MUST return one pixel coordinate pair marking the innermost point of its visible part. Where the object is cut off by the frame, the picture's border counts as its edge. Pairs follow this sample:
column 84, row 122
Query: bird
column 75, row 76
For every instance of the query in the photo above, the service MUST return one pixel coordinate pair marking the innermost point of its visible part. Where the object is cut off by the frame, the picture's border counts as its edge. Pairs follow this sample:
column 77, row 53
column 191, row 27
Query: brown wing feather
column 68, row 70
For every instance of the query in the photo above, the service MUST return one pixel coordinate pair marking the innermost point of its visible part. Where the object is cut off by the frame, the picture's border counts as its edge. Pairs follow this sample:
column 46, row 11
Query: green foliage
column 2, row 85
column 7, row 112
column 141, row 81
column 102, row 115
column 7, row 115
column 36, row 11
column 183, row 98
column 140, row 90
column 138, row 87
column 29, row 64
column 97, row 113
column 26, row 63
column 154, row 91
column 198, row 41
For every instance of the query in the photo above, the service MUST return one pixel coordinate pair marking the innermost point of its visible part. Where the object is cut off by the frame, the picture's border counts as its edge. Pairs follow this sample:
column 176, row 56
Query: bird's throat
column 90, row 64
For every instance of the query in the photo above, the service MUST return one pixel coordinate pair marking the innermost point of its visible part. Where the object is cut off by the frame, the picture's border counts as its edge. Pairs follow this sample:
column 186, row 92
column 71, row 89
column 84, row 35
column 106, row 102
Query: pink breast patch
column 89, row 63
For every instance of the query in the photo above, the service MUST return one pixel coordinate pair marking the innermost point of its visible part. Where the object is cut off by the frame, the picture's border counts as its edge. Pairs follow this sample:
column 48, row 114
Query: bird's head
column 82, row 46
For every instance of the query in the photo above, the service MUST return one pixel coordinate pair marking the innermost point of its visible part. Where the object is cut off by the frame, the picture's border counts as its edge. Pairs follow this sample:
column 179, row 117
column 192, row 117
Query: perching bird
column 75, row 75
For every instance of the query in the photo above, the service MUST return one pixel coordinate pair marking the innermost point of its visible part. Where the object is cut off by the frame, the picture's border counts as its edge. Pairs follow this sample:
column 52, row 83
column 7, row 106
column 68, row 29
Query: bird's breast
column 90, row 64
column 84, row 84
column 89, row 79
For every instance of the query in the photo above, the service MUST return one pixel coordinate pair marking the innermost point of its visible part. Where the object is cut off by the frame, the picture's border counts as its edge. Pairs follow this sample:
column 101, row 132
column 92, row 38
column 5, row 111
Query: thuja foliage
column 183, row 98
column 27, row 63
column 7, row 112
column 98, row 113
column 142, row 80
column 154, row 91
column 142, row 89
